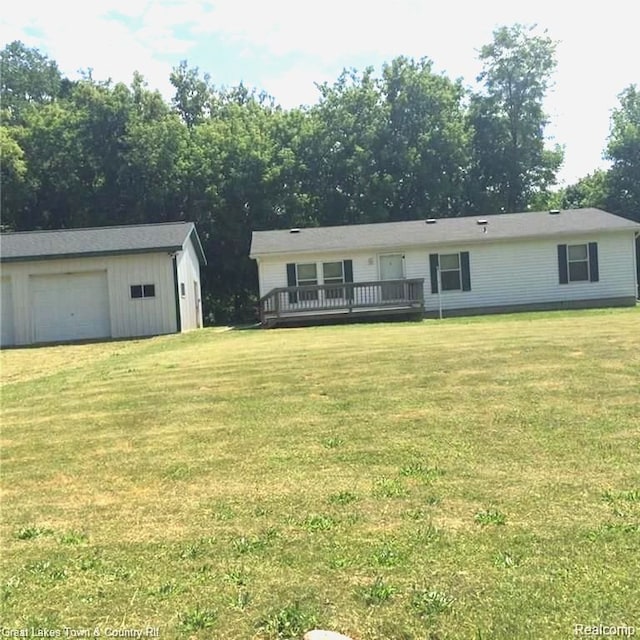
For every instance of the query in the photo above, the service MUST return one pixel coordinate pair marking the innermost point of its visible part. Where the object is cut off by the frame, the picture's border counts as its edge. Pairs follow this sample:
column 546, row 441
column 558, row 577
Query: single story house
column 109, row 282
column 448, row 266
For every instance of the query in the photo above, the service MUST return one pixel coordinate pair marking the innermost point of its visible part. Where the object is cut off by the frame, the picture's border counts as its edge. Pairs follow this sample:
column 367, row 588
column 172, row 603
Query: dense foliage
column 407, row 143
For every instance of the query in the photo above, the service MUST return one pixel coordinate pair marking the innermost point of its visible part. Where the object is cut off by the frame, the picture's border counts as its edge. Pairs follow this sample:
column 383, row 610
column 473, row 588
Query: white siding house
column 506, row 262
column 110, row 282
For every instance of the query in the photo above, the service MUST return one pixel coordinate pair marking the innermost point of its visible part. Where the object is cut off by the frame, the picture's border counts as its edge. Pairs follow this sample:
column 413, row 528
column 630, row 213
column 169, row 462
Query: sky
column 284, row 47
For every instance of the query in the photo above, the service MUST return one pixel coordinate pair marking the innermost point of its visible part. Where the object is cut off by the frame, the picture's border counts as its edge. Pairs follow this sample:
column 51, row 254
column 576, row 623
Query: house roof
column 385, row 235
column 98, row 241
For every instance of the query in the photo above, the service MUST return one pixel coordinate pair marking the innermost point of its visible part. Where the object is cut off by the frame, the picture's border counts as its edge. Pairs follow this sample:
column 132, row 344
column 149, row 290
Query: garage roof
column 98, row 241
column 479, row 228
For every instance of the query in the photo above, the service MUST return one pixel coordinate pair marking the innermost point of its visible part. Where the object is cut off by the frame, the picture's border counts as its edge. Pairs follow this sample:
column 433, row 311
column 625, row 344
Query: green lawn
column 470, row 478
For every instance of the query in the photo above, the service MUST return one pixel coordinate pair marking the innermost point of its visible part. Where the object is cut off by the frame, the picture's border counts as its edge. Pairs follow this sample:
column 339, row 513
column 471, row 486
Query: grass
column 470, row 478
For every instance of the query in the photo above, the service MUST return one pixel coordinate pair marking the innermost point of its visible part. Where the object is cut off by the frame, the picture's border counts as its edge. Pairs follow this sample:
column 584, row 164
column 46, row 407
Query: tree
column 27, row 78
column 510, row 163
column 154, row 147
column 393, row 147
column 234, row 185
column 425, row 146
column 103, row 154
column 193, row 96
column 623, row 150
column 346, row 181
column 14, row 187
column 75, row 151
column 590, row 191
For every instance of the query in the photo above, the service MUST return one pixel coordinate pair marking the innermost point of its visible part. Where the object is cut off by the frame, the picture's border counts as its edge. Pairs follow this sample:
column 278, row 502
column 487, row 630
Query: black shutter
column 465, row 272
column 292, row 281
column 562, row 264
column 594, row 272
column 433, row 267
column 348, row 270
column 348, row 277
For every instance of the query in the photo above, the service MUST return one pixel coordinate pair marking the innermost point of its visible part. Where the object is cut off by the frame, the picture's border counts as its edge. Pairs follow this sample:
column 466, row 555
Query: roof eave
column 90, row 254
column 197, row 245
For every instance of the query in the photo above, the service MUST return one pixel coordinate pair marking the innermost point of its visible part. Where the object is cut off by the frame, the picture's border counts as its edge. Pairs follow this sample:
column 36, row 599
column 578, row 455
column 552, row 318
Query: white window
column 333, row 273
column 450, row 277
column 307, row 274
column 578, row 258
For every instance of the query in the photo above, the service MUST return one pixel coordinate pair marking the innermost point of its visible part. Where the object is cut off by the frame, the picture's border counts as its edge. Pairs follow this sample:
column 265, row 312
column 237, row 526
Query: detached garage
column 111, row 282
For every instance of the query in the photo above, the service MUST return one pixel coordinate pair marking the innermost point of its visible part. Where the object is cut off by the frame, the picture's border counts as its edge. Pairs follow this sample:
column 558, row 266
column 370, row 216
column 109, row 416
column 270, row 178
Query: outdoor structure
column 109, row 282
column 449, row 266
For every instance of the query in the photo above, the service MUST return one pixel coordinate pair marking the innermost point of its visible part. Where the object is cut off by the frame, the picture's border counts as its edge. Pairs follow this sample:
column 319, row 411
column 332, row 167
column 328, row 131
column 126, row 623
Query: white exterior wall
column 502, row 273
column 188, row 268
column 526, row 272
column 272, row 271
column 128, row 317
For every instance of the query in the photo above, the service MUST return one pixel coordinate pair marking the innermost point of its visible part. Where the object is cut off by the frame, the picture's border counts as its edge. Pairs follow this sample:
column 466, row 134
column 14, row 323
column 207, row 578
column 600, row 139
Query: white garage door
column 6, row 312
column 70, row 306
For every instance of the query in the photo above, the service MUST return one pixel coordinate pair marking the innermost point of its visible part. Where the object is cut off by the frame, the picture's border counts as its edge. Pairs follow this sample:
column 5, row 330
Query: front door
column 392, row 268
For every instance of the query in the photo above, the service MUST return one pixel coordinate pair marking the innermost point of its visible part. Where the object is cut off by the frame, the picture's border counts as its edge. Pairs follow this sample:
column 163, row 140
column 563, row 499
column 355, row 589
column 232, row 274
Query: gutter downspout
column 636, row 259
column 176, row 293
column 439, row 291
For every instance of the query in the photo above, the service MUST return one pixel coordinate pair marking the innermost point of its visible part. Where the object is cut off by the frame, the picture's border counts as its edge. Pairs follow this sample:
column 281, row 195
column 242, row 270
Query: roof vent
column 482, row 221
column 294, row 230
column 430, row 221
column 554, row 212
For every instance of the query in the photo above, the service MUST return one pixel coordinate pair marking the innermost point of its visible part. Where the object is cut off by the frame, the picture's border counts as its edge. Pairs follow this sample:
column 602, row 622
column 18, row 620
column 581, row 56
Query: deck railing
column 348, row 298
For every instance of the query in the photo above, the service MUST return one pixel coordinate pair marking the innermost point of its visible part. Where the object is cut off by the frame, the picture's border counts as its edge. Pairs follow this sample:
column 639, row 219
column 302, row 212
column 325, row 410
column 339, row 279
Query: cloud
column 297, row 85
column 94, row 36
column 334, row 29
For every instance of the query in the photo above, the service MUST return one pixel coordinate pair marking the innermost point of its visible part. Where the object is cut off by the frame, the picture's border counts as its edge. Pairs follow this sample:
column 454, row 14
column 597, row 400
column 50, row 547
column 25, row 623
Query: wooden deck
column 315, row 304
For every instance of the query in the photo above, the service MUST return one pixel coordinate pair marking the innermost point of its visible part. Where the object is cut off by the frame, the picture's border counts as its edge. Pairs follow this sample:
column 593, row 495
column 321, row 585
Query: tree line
column 402, row 143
